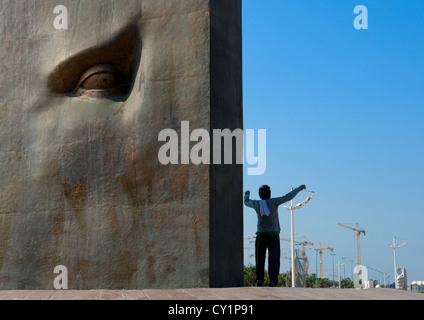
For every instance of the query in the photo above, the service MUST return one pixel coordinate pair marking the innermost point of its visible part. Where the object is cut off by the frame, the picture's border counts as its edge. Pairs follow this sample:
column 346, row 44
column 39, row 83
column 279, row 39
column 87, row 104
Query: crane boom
column 355, row 229
column 358, row 242
column 305, row 243
column 320, row 249
column 329, row 248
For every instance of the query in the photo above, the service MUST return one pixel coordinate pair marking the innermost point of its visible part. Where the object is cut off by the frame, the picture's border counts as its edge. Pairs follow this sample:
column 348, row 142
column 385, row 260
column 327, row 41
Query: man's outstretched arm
column 289, row 196
column 247, row 201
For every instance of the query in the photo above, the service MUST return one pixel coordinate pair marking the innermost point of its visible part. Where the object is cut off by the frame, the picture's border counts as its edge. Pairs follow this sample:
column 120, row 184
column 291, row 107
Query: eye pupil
column 102, row 78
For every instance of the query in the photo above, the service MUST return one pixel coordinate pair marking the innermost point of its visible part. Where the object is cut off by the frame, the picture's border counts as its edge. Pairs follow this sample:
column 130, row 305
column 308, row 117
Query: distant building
column 402, row 279
column 417, row 286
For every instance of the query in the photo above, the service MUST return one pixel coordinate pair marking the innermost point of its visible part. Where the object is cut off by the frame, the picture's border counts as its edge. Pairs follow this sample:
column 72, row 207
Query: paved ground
column 217, row 294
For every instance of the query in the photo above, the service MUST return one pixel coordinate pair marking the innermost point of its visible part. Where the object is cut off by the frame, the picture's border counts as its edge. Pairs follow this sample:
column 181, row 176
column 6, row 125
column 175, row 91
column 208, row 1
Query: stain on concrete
column 76, row 197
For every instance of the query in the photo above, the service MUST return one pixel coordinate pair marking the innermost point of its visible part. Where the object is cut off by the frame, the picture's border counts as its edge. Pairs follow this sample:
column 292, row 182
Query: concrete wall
column 80, row 181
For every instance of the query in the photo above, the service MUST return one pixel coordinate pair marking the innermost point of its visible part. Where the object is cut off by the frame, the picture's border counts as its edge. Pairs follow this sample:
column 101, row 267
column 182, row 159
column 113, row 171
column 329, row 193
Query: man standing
column 268, row 231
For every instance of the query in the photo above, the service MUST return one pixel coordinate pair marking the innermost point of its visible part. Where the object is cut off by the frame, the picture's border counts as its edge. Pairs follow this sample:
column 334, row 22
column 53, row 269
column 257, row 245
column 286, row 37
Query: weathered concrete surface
column 217, row 294
column 80, row 181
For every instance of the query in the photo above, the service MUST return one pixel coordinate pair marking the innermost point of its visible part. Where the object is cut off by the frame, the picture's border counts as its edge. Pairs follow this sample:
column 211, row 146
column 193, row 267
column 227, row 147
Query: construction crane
column 320, row 249
column 252, row 239
column 358, row 242
column 281, row 257
column 303, row 243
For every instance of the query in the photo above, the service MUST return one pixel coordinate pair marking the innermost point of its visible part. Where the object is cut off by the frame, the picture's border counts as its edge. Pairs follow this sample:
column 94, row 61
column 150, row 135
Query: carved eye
column 102, row 81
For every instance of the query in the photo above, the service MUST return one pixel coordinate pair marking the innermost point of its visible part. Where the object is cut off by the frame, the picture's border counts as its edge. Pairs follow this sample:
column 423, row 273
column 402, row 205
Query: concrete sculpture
column 80, row 112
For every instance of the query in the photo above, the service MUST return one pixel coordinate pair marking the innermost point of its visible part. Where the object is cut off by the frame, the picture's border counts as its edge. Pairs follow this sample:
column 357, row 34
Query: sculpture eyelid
column 98, row 69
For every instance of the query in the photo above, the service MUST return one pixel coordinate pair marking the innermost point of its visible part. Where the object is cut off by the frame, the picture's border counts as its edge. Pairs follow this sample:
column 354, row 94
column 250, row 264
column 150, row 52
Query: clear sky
column 344, row 114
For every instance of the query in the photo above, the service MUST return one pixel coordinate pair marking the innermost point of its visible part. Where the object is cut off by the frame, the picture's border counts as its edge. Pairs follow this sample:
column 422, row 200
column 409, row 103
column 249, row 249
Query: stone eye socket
column 106, row 70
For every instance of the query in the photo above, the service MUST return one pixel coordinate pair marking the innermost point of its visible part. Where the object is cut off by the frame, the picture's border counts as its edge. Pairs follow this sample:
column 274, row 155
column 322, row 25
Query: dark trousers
column 272, row 244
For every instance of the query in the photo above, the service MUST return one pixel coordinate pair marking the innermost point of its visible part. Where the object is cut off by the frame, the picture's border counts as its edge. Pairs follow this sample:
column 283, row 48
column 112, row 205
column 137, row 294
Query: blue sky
column 344, row 114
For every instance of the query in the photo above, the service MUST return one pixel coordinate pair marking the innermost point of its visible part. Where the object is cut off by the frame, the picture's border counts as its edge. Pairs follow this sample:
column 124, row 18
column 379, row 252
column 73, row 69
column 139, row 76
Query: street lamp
column 385, row 277
column 394, row 247
column 340, row 276
column 292, row 208
column 316, row 266
column 351, row 267
column 380, row 280
column 344, row 269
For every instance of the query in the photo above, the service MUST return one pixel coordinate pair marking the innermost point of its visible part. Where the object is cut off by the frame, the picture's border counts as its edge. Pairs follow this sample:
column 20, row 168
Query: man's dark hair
column 265, row 192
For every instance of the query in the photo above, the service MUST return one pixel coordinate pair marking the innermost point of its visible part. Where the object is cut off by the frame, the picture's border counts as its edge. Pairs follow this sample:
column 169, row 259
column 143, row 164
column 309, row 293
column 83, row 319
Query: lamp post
column 292, row 245
column 340, row 275
column 344, row 268
column 351, row 268
column 394, row 247
column 333, row 254
column 292, row 208
column 380, row 280
column 316, row 266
